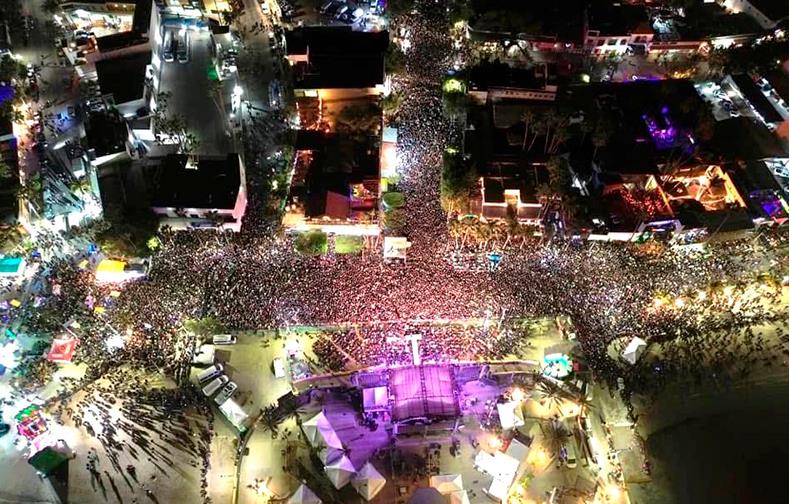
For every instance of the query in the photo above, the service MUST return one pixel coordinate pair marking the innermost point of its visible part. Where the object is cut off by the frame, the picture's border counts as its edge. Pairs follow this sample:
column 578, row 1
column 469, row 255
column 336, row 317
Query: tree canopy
column 313, row 243
column 458, row 180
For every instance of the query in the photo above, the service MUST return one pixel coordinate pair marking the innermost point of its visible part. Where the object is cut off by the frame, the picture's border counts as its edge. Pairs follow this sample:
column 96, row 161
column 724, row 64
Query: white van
column 279, row 368
column 210, row 373
column 224, row 339
column 212, row 387
column 204, row 356
column 572, row 458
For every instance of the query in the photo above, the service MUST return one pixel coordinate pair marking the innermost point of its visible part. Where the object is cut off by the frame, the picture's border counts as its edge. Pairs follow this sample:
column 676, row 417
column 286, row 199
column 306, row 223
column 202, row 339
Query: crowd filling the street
column 113, row 365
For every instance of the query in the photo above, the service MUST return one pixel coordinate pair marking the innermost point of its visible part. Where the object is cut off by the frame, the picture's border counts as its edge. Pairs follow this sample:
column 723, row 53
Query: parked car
column 224, row 339
column 279, row 367
column 226, row 392
column 326, row 6
column 212, row 387
column 210, row 373
column 782, row 171
column 340, row 12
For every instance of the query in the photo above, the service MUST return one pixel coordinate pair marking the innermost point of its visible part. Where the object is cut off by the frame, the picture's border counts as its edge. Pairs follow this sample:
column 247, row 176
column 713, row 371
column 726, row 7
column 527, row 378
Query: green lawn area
column 348, row 244
column 312, row 243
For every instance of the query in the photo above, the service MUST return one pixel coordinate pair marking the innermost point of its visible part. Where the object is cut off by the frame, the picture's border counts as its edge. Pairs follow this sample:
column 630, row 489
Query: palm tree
column 6, row 172
column 511, row 230
column 455, row 230
column 527, row 117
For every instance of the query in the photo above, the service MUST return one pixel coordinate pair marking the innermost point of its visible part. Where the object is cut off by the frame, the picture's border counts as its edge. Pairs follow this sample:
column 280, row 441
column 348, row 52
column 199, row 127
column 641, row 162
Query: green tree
column 456, row 104
column 50, row 6
column 312, row 243
column 399, row 7
column 458, row 181
column 359, row 119
column 6, row 172
column 394, row 220
column 391, row 104
column 128, row 232
column 204, row 327
column 172, row 128
column 394, row 60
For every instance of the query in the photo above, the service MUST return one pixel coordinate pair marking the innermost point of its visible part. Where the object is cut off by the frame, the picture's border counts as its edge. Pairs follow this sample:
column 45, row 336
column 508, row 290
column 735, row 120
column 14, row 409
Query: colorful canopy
column 62, row 349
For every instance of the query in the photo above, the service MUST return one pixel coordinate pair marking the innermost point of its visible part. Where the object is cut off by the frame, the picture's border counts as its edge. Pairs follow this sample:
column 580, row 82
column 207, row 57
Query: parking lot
column 187, row 77
column 724, row 102
column 360, row 15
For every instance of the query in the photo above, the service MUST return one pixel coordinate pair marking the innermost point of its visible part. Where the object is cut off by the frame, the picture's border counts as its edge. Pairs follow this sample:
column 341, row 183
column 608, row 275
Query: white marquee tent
column 340, row 471
column 368, row 481
column 303, row 495
column 459, row 498
column 320, row 432
column 634, row 350
column 510, row 415
column 447, row 483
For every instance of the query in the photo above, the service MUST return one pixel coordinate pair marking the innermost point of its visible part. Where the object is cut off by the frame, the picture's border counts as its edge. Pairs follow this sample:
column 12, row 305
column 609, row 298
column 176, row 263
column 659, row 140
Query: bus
column 183, row 46
column 168, row 47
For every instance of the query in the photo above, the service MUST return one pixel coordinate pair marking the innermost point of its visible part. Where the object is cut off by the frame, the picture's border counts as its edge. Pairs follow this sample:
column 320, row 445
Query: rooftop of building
column 709, row 20
column 773, row 9
column 742, row 138
column 337, row 166
column 123, row 77
column 120, row 40
column 614, row 18
column 496, row 74
column 106, row 132
column 651, row 121
column 200, row 182
column 779, row 80
column 499, row 179
column 756, row 98
column 563, row 19
column 141, row 21
column 426, row 391
column 338, row 57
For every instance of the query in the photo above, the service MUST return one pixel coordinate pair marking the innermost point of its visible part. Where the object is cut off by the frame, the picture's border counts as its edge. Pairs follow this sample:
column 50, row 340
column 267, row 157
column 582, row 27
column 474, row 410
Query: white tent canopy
column 303, row 495
column 328, row 454
column 320, row 432
column 460, row 497
column 368, row 481
column 634, row 350
column 447, row 483
column 340, row 471
column 235, row 414
column 510, row 415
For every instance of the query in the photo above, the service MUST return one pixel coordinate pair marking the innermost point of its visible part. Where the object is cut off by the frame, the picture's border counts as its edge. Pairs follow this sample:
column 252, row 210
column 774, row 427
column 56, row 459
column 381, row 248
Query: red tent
column 62, row 350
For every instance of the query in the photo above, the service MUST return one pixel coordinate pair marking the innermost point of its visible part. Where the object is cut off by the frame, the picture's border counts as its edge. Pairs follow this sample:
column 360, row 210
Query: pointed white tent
column 340, row 471
column 303, row 495
column 634, row 350
column 320, row 432
column 460, row 497
column 368, row 481
column 328, row 454
column 510, row 415
column 447, row 483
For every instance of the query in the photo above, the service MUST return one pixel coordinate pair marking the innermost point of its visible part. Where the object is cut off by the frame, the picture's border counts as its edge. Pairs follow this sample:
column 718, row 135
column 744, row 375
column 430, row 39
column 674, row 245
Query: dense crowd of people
column 250, row 282
column 705, row 315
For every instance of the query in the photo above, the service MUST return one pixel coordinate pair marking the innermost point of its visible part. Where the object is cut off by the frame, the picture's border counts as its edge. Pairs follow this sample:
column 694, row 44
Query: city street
column 191, row 97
